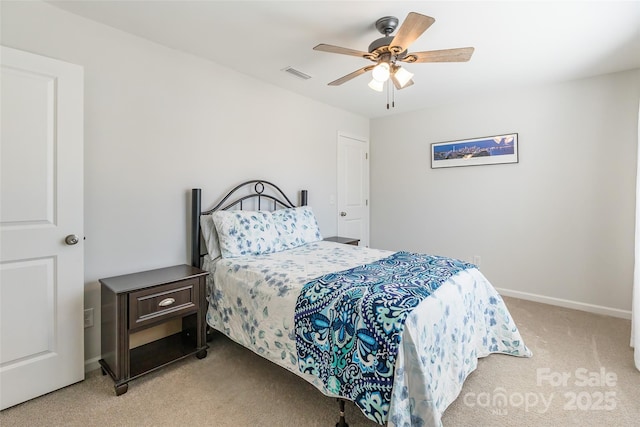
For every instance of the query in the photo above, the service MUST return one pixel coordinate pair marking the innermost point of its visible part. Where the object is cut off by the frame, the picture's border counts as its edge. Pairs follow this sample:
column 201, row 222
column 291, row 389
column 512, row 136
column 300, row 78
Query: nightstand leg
column 121, row 389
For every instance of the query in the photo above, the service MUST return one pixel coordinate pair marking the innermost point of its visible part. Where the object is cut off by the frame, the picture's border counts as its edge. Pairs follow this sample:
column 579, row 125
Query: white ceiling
column 517, row 43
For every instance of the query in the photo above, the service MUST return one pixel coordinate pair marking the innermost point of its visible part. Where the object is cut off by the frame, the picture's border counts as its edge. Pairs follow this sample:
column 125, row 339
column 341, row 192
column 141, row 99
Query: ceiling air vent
column 298, row 74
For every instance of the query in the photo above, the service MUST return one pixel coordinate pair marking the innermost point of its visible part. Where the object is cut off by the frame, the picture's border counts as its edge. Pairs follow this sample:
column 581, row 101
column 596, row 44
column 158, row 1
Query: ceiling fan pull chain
column 393, row 96
column 388, row 85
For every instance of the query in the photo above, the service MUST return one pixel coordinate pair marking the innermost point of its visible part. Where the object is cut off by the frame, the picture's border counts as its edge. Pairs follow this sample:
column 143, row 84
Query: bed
column 396, row 333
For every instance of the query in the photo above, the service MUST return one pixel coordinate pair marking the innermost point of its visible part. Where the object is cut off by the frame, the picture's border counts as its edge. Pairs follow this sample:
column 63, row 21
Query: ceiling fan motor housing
column 387, row 25
column 381, row 46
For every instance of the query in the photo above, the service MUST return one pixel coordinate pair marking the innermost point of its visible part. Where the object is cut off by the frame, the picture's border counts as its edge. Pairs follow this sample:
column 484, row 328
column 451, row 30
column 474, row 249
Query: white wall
column 558, row 226
column 159, row 122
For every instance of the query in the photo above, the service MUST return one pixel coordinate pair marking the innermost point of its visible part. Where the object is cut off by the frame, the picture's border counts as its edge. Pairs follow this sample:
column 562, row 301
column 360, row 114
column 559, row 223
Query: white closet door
column 41, row 270
column 353, row 188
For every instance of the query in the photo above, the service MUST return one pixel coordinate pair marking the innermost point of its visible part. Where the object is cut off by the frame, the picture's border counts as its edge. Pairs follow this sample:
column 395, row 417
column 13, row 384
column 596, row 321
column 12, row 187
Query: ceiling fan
column 388, row 51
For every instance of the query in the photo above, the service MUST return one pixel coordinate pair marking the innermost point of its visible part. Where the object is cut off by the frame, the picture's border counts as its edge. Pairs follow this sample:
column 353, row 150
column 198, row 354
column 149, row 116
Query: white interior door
column 41, row 275
column 353, row 188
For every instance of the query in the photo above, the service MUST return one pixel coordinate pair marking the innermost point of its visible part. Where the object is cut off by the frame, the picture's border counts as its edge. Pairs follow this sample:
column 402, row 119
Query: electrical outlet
column 88, row 318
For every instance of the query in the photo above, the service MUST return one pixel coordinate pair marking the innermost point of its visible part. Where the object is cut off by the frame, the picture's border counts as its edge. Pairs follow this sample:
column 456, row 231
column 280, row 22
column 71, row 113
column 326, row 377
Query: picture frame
column 488, row 150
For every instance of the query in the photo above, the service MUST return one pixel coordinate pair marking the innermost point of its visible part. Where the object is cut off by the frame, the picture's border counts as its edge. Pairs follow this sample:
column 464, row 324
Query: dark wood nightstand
column 345, row 240
column 134, row 302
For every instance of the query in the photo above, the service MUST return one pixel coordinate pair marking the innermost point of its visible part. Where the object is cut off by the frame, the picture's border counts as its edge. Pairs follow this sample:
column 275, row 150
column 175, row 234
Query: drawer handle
column 166, row 302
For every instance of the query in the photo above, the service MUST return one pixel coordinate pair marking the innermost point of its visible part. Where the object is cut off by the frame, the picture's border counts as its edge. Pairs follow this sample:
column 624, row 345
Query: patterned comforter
column 253, row 299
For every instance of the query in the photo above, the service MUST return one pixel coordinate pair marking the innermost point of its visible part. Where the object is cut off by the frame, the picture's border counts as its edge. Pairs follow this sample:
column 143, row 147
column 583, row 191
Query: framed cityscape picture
column 488, row 150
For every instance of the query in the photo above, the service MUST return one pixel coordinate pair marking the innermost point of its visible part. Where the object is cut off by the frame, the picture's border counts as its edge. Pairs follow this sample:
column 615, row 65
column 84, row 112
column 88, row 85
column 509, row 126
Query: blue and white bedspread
column 430, row 343
column 349, row 324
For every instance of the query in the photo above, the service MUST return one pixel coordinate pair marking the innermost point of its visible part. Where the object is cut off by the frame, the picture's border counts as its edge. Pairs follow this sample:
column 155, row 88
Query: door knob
column 71, row 239
column 343, row 214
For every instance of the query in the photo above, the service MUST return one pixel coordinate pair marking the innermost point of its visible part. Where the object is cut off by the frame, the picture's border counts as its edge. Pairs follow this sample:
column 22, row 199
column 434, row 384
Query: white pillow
column 210, row 236
column 296, row 226
column 245, row 233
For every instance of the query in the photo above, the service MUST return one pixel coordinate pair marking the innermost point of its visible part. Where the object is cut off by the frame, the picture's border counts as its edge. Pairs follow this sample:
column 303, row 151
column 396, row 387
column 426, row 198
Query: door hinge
column 366, row 202
column 366, row 156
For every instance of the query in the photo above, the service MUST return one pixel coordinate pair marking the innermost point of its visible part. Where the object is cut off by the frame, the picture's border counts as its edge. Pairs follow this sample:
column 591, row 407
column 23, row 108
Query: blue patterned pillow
column 245, row 233
column 296, row 226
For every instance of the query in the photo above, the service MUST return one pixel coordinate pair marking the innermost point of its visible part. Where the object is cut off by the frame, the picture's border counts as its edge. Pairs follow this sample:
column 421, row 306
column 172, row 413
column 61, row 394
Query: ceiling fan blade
column 413, row 26
column 350, row 76
column 342, row 50
column 462, row 54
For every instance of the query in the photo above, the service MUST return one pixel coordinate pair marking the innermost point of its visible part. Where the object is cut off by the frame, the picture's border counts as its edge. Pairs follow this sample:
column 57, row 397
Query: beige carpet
column 581, row 374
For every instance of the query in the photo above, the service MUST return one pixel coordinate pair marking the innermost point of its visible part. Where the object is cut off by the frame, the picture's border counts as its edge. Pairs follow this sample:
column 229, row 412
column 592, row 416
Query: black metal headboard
column 258, row 190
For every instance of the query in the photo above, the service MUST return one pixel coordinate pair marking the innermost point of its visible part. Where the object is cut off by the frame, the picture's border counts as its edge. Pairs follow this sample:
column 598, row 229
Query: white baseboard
column 591, row 308
column 91, row 364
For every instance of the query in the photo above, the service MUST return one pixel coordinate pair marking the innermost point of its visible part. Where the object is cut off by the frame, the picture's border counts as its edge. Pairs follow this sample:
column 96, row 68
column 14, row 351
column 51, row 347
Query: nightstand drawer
column 161, row 302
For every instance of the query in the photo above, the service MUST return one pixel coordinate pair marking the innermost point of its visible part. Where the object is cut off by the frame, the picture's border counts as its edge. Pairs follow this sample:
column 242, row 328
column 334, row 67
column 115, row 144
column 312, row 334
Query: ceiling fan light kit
column 381, row 72
column 387, row 51
column 402, row 76
column 376, row 85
